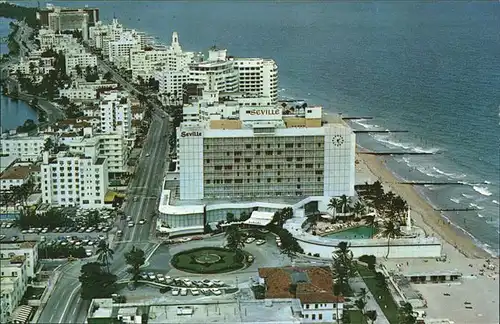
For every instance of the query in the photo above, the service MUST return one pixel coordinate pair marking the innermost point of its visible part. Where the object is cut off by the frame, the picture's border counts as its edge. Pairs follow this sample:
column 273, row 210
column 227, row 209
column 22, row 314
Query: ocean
column 430, row 68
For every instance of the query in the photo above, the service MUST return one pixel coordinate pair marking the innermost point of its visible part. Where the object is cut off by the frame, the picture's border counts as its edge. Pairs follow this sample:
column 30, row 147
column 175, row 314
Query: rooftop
column 314, row 284
column 18, row 245
column 16, row 173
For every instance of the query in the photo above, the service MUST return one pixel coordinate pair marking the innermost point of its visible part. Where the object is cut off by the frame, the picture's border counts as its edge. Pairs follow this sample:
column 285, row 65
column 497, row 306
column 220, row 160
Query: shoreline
column 422, row 212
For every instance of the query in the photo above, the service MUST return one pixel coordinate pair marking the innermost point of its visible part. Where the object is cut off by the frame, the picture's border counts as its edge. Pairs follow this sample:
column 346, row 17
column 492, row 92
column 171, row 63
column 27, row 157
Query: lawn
column 386, row 302
column 209, row 260
column 357, row 317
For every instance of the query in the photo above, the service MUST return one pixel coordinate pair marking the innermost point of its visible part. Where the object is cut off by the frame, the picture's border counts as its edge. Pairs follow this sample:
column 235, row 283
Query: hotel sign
column 264, row 112
column 190, row 134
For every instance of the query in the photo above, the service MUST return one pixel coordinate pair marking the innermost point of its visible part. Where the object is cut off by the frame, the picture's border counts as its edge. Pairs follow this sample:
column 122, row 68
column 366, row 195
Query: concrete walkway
column 371, row 303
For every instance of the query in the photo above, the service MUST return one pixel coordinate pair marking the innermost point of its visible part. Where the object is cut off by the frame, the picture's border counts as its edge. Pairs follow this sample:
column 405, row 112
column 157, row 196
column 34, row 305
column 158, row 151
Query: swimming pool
column 359, row 232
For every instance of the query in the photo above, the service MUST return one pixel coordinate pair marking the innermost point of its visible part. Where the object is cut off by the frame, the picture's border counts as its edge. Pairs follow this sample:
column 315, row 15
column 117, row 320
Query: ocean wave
column 455, row 200
column 487, row 182
column 407, row 146
column 480, row 216
column 495, row 202
column 365, row 125
column 449, row 174
column 483, row 190
column 476, row 206
column 467, row 196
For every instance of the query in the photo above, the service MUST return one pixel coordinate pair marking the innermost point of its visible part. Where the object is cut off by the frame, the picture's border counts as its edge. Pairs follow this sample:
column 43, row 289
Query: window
column 307, row 306
column 320, row 316
column 316, row 306
column 313, row 316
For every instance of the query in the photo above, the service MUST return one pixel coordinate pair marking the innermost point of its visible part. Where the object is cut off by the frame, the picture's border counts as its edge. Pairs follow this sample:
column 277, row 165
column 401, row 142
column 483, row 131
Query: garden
column 210, row 260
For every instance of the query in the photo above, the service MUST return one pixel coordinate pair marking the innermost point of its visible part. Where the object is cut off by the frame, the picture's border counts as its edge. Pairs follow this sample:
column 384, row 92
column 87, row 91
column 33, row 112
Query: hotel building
column 265, row 152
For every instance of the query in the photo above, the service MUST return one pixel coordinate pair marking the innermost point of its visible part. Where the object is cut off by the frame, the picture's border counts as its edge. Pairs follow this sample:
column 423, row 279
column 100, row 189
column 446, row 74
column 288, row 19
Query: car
column 195, row 291
column 250, row 240
column 148, row 155
column 144, row 275
column 45, row 230
column 90, row 243
column 168, row 280
column 102, row 237
column 130, row 224
column 205, row 291
column 175, row 292
column 187, row 282
column 57, row 229
column 107, row 229
column 260, row 242
column 135, row 198
column 71, row 230
column 90, row 229
column 119, row 233
column 24, row 231
column 9, row 225
column 142, row 221
column 78, row 243
column 207, row 283
column 218, row 282
column 88, row 252
column 14, row 238
column 129, row 218
column 85, row 241
column 184, row 292
column 82, row 229
column 4, row 225
column 151, row 276
column 216, row 291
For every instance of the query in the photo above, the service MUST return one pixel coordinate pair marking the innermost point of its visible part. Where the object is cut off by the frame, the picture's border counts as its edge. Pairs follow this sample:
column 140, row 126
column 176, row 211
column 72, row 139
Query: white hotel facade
column 267, row 154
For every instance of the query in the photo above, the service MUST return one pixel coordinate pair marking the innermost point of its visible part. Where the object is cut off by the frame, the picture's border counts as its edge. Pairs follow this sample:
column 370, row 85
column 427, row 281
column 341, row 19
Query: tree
column 93, row 219
column 359, row 208
column 371, row 315
column 230, row 217
column 346, row 317
column 390, row 231
column 343, row 266
column 78, row 70
column 96, row 283
column 135, row 259
column 345, row 203
column 244, row 216
column 289, row 244
column 333, row 205
column 28, row 126
column 406, row 315
column 108, row 76
column 48, row 145
column 281, row 216
column 360, row 303
column 234, row 238
column 105, row 254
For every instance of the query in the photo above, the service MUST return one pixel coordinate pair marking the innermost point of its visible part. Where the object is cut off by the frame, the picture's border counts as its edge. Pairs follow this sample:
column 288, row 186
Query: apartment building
column 79, row 57
column 258, row 76
column 217, row 72
column 60, row 20
column 13, row 285
column 116, row 115
column 266, row 152
column 170, row 84
column 119, row 50
column 72, row 179
column 49, row 39
column 23, row 146
column 101, row 34
column 28, row 249
column 43, row 13
column 313, row 287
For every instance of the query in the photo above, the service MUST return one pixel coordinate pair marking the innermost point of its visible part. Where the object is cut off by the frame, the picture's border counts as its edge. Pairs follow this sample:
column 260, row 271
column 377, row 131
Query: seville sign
column 190, row 134
column 265, row 112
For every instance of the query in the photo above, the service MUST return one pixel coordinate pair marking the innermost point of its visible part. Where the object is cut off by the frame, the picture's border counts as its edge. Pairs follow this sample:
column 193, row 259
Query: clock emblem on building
column 338, row 140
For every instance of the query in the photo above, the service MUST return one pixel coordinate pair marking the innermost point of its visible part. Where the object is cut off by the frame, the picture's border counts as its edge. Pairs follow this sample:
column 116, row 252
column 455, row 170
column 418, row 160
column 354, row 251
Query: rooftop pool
column 359, row 232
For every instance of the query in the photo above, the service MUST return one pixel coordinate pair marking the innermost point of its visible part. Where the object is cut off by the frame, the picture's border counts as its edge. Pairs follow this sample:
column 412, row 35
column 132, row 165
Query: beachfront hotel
column 266, row 152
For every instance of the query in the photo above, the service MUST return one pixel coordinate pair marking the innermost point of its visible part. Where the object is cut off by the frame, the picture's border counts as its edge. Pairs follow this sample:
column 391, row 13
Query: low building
column 313, row 286
column 79, row 58
column 14, row 176
column 277, row 311
column 28, row 249
column 23, row 146
column 13, row 284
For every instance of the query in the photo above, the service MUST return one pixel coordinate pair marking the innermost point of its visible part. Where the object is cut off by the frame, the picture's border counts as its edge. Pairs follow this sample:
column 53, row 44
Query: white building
column 13, row 284
column 14, row 176
column 119, row 50
column 81, row 58
column 258, row 76
column 49, row 39
column 71, row 179
column 28, row 249
column 23, row 146
column 116, row 115
column 101, row 34
column 170, row 84
column 60, row 20
column 266, row 152
column 217, row 72
column 82, row 90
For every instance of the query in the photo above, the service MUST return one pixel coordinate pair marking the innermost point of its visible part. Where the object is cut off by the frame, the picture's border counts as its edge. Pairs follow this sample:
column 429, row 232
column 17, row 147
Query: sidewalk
column 371, row 304
column 50, row 287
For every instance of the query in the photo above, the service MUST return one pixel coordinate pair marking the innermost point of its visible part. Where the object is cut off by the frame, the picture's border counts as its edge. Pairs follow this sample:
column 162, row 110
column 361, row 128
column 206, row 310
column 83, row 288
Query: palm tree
column 342, row 258
column 406, row 314
column 345, row 202
column 359, row 208
column 371, row 222
column 391, row 230
column 333, row 205
column 135, row 258
column 363, row 294
column 105, row 254
column 371, row 315
column 234, row 238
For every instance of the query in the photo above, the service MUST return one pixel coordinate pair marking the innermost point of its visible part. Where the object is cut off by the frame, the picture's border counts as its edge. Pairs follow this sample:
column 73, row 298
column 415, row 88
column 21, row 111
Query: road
column 65, row 304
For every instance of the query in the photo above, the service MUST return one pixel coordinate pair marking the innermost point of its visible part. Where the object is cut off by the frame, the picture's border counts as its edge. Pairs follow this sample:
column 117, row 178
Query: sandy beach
column 371, row 168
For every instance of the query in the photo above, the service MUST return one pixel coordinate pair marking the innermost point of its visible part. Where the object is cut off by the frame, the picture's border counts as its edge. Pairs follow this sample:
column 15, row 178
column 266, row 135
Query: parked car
column 119, row 233
column 144, row 275
column 260, row 242
column 250, row 240
column 184, row 292
column 129, row 218
column 205, row 291
column 142, row 221
column 151, row 276
column 88, row 252
column 130, row 224
column 175, row 292
column 217, row 282
column 216, row 291
column 195, row 291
